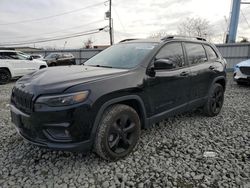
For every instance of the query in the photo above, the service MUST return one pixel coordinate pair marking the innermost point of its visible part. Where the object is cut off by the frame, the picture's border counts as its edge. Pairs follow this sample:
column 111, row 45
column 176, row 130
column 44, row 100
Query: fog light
column 58, row 134
column 67, row 133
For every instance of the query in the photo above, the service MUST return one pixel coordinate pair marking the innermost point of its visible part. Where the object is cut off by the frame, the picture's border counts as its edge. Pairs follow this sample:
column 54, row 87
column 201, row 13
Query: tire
column 118, row 132
column 4, row 76
column 241, row 83
column 53, row 64
column 215, row 100
column 42, row 67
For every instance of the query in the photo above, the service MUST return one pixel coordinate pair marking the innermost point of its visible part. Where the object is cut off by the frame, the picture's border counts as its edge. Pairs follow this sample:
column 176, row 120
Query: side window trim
column 188, row 64
column 217, row 56
column 205, row 53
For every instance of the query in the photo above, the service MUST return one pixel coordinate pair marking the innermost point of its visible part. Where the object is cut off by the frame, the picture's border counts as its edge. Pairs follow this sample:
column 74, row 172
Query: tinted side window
column 10, row 55
column 172, row 52
column 60, row 56
column 196, row 53
column 211, row 53
column 2, row 56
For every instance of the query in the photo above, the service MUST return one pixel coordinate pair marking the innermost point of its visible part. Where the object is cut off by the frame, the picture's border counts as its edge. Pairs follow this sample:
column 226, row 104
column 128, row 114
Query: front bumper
column 240, row 77
column 63, row 130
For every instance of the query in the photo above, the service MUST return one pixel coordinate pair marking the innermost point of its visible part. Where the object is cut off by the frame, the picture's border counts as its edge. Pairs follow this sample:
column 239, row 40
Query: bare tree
column 88, row 43
column 160, row 34
column 244, row 40
column 195, row 27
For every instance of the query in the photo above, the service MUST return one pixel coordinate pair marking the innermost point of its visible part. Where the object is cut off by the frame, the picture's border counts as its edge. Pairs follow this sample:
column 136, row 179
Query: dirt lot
column 170, row 154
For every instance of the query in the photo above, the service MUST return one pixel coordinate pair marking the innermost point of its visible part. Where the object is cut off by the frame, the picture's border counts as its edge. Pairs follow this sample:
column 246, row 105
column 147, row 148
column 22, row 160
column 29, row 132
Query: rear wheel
column 241, row 83
column 215, row 100
column 53, row 64
column 118, row 132
column 42, row 67
column 4, row 76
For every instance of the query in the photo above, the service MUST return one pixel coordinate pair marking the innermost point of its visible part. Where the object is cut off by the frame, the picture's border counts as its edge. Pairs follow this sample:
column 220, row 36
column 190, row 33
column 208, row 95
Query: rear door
column 201, row 71
column 169, row 89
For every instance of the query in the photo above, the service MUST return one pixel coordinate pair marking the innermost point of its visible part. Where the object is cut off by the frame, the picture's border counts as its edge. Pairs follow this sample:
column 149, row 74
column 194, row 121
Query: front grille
column 245, row 70
column 22, row 100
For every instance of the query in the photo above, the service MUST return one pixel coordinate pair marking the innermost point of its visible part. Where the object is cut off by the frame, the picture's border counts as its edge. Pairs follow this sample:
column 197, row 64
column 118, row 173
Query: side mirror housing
column 160, row 64
column 151, row 72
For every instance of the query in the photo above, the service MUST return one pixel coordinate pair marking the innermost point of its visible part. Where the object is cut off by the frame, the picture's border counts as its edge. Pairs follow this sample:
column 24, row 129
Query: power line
column 53, row 16
column 66, row 29
column 245, row 18
column 120, row 20
column 57, row 38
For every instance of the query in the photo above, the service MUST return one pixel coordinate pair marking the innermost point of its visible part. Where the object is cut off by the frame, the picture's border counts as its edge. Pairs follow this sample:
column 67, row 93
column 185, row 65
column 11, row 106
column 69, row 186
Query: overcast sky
column 132, row 19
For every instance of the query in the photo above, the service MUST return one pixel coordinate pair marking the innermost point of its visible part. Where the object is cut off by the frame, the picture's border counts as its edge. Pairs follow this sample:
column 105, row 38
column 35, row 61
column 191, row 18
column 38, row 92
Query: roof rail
column 182, row 37
column 126, row 40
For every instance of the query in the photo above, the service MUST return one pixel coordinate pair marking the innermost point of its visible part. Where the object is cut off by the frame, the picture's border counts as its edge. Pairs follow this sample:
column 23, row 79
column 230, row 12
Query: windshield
column 23, row 55
column 124, row 56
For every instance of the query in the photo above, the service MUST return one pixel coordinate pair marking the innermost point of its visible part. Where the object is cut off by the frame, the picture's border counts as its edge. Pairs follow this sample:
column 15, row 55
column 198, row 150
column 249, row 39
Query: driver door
column 169, row 89
column 26, row 64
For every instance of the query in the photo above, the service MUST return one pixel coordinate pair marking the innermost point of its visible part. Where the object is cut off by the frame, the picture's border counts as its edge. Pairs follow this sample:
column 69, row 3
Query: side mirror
column 151, row 72
column 163, row 64
column 30, row 58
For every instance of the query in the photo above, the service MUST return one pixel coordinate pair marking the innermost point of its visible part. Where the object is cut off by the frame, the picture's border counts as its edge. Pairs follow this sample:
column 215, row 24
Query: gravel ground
column 170, row 154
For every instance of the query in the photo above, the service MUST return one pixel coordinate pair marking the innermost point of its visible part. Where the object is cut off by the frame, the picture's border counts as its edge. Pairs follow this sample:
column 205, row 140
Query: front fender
column 113, row 101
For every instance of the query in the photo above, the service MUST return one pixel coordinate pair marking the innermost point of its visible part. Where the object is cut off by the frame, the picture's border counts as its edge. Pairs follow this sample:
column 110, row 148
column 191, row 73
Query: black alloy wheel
column 215, row 100
column 122, row 134
column 118, row 132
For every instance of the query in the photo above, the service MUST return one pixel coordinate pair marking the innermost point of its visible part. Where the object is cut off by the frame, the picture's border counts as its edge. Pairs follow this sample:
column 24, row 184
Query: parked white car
column 16, row 64
column 242, row 72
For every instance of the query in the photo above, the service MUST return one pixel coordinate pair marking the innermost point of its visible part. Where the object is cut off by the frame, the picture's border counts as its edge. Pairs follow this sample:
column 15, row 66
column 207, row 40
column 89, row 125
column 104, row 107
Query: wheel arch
column 220, row 80
column 42, row 66
column 133, row 101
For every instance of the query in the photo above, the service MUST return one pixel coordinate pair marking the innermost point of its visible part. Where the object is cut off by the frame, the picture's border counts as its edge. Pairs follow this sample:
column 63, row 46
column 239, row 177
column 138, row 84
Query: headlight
column 236, row 67
column 64, row 99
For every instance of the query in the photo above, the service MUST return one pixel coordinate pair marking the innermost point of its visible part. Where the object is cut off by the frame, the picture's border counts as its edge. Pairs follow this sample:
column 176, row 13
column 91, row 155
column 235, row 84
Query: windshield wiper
column 105, row 66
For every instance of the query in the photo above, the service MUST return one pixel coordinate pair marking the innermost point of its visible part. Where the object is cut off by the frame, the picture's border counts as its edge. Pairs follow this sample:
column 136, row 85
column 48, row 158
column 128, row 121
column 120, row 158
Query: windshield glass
column 124, row 56
column 23, row 55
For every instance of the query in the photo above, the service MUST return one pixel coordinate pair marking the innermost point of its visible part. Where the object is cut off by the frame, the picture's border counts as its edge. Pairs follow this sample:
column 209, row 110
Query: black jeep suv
column 104, row 104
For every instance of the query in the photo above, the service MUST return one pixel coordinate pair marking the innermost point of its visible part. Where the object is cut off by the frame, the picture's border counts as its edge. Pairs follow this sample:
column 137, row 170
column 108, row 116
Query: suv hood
column 244, row 63
column 57, row 79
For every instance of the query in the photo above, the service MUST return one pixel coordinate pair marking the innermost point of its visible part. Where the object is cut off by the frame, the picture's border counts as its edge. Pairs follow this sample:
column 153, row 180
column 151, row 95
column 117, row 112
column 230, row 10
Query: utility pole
column 234, row 20
column 110, row 24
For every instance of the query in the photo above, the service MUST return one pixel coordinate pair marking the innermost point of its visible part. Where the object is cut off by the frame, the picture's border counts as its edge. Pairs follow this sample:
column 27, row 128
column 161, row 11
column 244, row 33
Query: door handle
column 212, row 67
column 184, row 73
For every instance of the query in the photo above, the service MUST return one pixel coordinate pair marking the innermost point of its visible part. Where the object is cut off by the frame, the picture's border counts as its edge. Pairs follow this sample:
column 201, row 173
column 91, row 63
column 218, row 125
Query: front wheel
column 53, row 64
column 240, row 83
column 215, row 100
column 4, row 76
column 118, row 132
